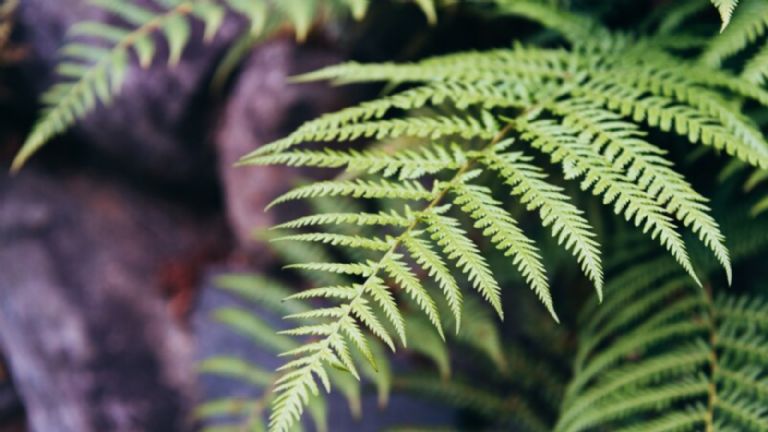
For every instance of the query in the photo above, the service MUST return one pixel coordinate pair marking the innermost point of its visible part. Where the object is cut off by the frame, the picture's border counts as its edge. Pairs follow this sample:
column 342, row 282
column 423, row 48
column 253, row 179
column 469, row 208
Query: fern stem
column 709, row 418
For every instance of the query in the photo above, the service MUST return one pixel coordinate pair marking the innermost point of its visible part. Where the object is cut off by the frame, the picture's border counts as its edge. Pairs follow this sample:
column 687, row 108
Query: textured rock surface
column 263, row 107
column 83, row 325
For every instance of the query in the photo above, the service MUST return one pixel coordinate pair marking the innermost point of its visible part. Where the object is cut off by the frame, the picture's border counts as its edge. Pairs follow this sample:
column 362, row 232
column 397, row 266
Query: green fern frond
column 497, row 224
column 555, row 209
column 647, row 367
column 94, row 75
column 403, row 276
column 374, row 244
column 583, row 117
column 275, row 298
column 426, row 127
column 363, row 219
column 407, row 164
column 623, row 145
column 425, row 256
column 448, row 234
column 358, row 189
column 634, row 202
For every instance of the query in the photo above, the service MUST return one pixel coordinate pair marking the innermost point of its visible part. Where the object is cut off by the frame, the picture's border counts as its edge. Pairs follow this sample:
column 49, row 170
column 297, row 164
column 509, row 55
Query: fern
column 96, row 61
column 725, row 8
column 270, row 296
column 517, row 387
column 695, row 364
column 586, row 109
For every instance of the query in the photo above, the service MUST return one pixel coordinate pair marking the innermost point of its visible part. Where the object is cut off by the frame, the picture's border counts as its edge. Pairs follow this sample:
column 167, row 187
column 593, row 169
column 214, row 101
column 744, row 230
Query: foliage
column 586, row 109
column 97, row 58
column 437, row 181
column 697, row 363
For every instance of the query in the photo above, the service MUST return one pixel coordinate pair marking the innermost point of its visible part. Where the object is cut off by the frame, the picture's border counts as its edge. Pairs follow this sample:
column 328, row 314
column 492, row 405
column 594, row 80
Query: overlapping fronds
column 673, row 359
column 519, row 387
column 97, row 57
column 588, row 110
column 269, row 296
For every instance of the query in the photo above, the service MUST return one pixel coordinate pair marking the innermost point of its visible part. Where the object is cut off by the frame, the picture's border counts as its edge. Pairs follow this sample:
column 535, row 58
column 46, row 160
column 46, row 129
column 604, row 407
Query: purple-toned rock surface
column 84, row 326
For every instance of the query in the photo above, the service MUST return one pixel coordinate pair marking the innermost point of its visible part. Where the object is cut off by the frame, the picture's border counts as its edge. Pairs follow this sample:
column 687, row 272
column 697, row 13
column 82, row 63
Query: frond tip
column 725, row 8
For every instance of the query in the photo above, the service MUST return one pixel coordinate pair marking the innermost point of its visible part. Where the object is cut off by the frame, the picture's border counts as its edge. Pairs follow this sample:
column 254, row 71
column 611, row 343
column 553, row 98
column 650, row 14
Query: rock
column 263, row 107
column 88, row 337
column 156, row 127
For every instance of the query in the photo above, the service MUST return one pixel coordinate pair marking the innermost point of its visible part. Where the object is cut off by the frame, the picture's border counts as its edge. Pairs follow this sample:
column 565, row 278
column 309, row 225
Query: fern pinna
column 482, row 115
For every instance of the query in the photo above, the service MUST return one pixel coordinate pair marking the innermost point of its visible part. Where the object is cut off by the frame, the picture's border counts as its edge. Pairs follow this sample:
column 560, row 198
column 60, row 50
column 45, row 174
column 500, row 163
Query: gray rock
column 89, row 339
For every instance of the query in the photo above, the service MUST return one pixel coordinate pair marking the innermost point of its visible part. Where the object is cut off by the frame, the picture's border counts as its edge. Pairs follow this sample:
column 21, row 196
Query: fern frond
column 587, row 109
column 271, row 295
column 407, row 164
column 622, row 144
column 555, row 209
column 498, row 225
column 423, row 253
column 416, row 127
column 94, row 72
column 564, row 147
column 375, row 244
column 696, row 125
column 362, row 219
column 648, row 367
column 448, row 234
